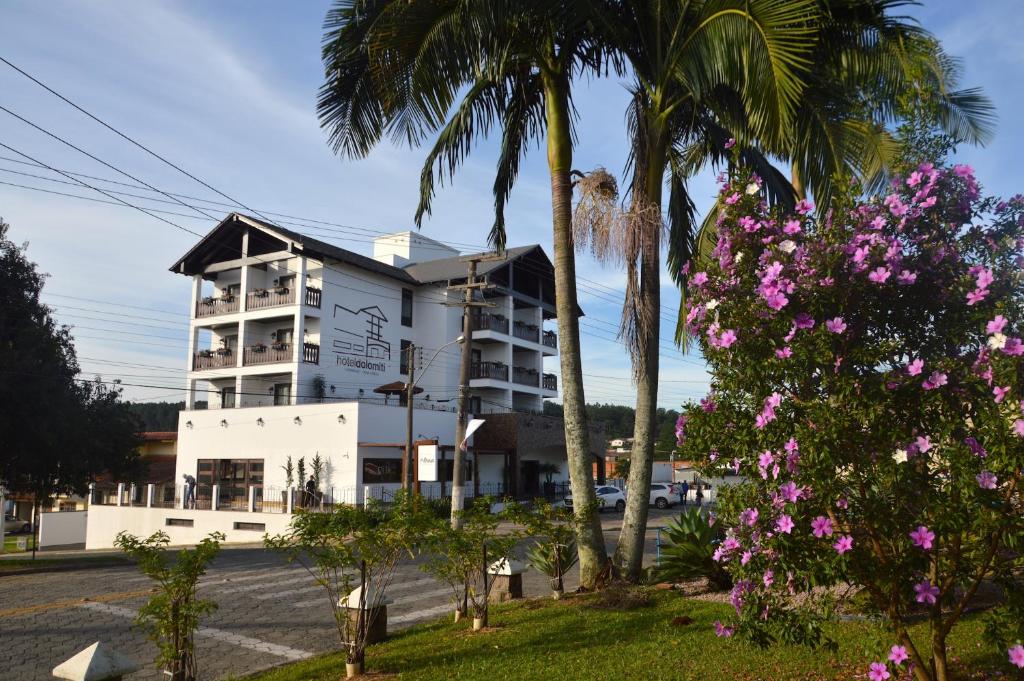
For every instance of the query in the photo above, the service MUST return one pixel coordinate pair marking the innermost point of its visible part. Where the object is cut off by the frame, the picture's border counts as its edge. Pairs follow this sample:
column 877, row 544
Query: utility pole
column 410, row 387
column 467, row 304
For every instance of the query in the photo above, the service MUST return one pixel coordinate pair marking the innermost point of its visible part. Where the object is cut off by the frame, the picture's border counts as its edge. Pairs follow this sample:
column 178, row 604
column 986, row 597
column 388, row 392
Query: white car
column 664, row 494
column 608, row 497
column 13, row 525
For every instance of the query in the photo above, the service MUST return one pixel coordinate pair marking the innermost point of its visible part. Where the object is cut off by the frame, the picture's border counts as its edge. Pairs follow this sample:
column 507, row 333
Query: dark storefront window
column 377, row 471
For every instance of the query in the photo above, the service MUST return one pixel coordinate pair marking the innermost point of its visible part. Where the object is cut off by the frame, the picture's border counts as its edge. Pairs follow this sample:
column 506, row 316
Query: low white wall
column 62, row 528
column 106, row 521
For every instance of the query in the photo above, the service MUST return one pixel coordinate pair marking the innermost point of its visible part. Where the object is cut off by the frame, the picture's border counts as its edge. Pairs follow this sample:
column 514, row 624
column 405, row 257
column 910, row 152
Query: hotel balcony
column 495, row 371
column 490, row 322
column 528, row 332
column 257, row 299
column 550, row 339
column 207, row 307
column 524, row 376
column 487, row 326
column 274, row 353
column 549, row 382
column 214, row 359
column 263, row 298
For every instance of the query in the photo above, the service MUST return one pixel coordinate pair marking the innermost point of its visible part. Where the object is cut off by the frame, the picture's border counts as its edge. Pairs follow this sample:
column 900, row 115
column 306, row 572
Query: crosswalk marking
column 413, row 598
column 400, row 586
column 421, row 614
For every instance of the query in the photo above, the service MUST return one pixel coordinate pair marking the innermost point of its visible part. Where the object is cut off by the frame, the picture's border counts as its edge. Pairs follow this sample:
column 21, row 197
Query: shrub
column 554, row 530
column 689, row 552
column 866, row 379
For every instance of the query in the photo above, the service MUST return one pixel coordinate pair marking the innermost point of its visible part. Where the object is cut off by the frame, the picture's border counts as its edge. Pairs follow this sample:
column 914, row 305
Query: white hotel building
column 289, row 339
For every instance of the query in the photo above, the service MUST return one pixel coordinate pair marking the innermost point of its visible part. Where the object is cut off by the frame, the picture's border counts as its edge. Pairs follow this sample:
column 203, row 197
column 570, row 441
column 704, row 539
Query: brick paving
column 269, row 613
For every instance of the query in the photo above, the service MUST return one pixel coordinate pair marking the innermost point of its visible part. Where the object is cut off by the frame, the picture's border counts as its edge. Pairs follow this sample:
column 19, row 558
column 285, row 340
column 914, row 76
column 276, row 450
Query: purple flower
column 1000, row 392
column 836, row 325
column 784, row 524
column 699, row 279
column 749, row 516
column 986, row 480
column 727, row 338
column 922, row 538
column 975, row 447
column 843, row 544
column 906, row 277
column 804, row 207
column 821, row 526
column 915, row 367
column 926, row 592
column 923, row 443
column 842, row 503
column 997, row 325
column 1013, row 347
column 790, row 492
column 879, row 275
column 784, row 353
column 898, row 655
column 878, row 671
column 792, row 227
column 1016, row 655
column 802, row 320
column 708, row 404
column 976, row 296
column 748, row 223
column 936, row 380
column 730, row 143
column 732, row 198
column 1018, row 427
column 681, row 429
column 984, row 279
column 721, row 630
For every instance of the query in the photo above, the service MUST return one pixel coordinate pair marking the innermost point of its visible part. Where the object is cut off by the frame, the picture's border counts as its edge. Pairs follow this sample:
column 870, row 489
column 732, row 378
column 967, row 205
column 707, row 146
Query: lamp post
column 410, row 388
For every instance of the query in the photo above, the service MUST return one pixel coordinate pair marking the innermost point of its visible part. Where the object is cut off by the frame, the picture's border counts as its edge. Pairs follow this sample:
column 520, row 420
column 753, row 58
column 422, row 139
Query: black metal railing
column 549, row 382
column 310, row 353
column 267, row 354
column 211, row 306
column 550, row 339
column 524, row 376
column 530, row 332
column 313, row 296
column 213, row 359
column 490, row 322
column 493, row 370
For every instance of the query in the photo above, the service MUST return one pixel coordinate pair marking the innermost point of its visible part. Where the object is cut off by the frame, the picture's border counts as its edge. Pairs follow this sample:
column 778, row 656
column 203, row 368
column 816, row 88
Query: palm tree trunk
column 590, row 539
column 794, row 179
column 629, row 553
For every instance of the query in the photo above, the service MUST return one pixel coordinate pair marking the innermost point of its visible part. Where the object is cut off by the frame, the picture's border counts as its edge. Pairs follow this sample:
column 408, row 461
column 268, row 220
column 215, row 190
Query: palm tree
column 397, row 68
column 694, row 63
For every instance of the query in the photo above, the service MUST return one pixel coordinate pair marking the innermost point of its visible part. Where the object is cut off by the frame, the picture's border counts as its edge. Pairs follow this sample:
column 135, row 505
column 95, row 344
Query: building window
column 255, row 527
column 282, row 394
column 377, row 471
column 403, row 358
column 179, row 522
column 448, row 470
column 406, row 307
column 227, row 398
column 475, row 406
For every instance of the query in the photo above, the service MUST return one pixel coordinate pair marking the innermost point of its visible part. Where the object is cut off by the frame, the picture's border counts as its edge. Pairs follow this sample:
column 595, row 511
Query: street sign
column 427, row 455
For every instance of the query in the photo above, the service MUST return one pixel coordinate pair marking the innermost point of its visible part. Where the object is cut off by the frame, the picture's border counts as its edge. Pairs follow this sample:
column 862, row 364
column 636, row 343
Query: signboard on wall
column 427, row 455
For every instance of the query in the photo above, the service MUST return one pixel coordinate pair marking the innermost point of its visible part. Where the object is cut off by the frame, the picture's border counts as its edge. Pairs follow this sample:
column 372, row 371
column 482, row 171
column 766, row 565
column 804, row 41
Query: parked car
column 664, row 494
column 13, row 525
column 608, row 497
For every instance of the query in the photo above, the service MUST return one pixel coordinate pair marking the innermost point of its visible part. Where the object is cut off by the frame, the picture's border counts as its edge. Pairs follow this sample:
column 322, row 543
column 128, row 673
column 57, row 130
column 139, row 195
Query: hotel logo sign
column 359, row 342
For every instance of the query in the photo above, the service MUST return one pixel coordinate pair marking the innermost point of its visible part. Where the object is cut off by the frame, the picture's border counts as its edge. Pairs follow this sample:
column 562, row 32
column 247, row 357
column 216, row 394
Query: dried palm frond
column 598, row 219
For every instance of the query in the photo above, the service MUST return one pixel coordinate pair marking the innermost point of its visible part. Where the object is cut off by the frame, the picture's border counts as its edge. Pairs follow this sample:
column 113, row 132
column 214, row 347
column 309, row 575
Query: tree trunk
column 590, row 540
column 794, row 179
column 629, row 554
column 940, row 668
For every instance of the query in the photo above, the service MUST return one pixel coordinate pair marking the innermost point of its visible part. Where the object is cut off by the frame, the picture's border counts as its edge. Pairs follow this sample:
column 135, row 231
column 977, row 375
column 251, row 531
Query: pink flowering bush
column 867, row 382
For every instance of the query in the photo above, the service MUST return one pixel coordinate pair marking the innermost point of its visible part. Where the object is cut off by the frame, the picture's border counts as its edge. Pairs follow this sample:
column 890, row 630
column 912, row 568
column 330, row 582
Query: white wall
column 62, row 528
column 106, row 521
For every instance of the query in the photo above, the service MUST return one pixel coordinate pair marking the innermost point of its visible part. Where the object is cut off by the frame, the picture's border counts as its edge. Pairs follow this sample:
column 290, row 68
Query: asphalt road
column 269, row 613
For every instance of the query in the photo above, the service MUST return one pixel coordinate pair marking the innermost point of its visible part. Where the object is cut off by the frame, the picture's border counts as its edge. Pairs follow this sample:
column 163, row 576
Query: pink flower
column 792, row 227
column 879, row 275
column 936, row 380
column 730, row 143
column 733, row 198
column 721, row 630
column 727, row 338
column 926, row 592
column 878, row 672
column 749, row 517
column 842, row 503
column 906, row 277
column 836, row 325
column 963, row 170
column 699, row 279
column 915, row 367
column 976, row 296
column 1013, row 347
column 804, row 207
column 1016, row 654
column 1000, row 393
column 784, row 524
column 924, row 443
column 802, row 320
column 784, row 353
column 984, row 279
column 843, row 544
column 748, row 223
column 997, row 325
column 922, row 538
column 1018, row 427
column 790, row 492
column 768, row 578
column 821, row 527
column 898, row 655
column 986, row 480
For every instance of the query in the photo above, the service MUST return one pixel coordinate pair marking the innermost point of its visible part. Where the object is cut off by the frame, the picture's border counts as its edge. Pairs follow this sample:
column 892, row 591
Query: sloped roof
column 443, row 269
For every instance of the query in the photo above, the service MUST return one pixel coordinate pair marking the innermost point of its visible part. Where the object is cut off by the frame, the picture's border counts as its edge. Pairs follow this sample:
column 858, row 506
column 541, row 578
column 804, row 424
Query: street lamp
column 410, row 388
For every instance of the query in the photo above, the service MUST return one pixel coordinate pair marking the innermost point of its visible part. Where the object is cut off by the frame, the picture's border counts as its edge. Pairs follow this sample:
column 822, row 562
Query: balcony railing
column 269, row 297
column 267, row 354
column 549, row 382
column 310, row 353
column 211, row 306
column 524, row 376
column 490, row 322
column 493, row 370
column 213, row 359
column 313, row 296
column 550, row 339
column 530, row 332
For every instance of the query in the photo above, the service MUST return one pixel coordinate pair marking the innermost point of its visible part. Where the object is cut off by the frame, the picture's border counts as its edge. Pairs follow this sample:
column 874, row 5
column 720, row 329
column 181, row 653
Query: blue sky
column 227, row 90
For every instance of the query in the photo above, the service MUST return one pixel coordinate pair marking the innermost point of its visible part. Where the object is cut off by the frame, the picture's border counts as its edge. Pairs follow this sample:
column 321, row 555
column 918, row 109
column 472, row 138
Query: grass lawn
column 11, row 542
column 568, row 641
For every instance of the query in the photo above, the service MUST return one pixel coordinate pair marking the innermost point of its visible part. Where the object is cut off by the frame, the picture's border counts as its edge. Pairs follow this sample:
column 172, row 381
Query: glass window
column 282, row 393
column 406, row 307
column 227, row 398
column 377, row 471
column 403, row 358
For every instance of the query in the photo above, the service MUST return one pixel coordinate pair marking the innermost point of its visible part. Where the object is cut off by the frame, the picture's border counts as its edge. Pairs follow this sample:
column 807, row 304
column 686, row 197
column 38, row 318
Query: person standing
column 310, row 492
column 684, row 492
column 190, row 491
column 700, row 494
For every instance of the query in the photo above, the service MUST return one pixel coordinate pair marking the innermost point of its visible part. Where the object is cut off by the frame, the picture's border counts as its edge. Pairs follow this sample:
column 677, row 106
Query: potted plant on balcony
column 260, row 293
column 206, row 354
column 208, row 300
column 259, row 346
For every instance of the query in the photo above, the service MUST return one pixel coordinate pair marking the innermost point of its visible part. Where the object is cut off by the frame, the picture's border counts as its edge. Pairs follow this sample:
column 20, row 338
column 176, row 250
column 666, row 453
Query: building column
column 193, row 345
column 197, row 293
column 120, row 492
column 150, row 493
column 299, row 332
column 239, row 361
